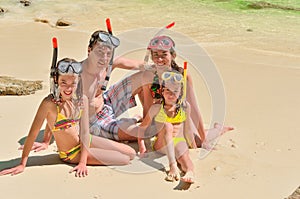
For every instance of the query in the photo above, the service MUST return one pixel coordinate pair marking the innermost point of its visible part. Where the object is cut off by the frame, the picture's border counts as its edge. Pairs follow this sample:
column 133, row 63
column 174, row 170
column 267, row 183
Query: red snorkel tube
column 109, row 69
column 157, row 34
column 54, row 60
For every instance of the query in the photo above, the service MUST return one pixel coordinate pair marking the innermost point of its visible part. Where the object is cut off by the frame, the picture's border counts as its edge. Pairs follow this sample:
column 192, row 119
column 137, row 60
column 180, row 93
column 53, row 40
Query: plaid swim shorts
column 118, row 99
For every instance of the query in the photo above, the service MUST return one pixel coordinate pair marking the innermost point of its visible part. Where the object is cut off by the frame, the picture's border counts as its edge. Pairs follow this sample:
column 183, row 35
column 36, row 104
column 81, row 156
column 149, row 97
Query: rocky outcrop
column 12, row 86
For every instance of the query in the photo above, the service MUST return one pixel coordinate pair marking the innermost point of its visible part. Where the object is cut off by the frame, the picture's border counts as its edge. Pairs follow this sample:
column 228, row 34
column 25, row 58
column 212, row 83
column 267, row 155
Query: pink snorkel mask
column 161, row 43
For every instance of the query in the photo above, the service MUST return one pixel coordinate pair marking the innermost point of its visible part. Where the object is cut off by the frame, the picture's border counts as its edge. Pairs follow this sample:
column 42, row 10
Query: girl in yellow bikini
column 173, row 124
column 66, row 112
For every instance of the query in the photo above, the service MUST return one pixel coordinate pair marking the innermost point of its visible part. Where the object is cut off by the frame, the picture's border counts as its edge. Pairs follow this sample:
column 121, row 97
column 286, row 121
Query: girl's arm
column 33, row 132
column 84, row 134
column 144, row 125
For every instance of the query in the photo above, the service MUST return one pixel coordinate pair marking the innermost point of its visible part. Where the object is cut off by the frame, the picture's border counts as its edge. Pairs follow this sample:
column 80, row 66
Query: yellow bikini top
column 62, row 122
column 163, row 117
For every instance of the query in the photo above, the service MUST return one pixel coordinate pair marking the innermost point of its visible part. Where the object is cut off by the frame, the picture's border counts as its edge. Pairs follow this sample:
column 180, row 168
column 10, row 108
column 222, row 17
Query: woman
column 162, row 51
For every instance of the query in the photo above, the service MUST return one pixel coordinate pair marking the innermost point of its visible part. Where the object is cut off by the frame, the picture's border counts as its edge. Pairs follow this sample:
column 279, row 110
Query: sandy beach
column 259, row 159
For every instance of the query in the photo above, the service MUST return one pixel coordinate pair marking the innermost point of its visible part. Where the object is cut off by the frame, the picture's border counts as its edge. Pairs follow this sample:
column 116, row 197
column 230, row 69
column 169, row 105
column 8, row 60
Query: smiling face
column 162, row 57
column 67, row 85
column 100, row 55
column 171, row 92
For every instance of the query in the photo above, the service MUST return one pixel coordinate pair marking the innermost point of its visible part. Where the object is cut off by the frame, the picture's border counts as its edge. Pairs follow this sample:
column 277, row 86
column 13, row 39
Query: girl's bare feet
column 188, row 177
column 173, row 173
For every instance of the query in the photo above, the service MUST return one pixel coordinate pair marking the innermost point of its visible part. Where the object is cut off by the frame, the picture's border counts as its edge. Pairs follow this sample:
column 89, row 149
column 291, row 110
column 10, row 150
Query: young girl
column 173, row 124
column 66, row 112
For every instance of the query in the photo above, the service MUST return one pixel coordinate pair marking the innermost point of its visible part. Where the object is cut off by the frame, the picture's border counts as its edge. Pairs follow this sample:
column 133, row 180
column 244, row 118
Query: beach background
column 255, row 51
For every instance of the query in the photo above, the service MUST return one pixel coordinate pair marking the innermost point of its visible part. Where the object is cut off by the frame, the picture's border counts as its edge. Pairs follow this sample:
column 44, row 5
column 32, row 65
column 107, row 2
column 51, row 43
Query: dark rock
column 25, row 2
column 62, row 22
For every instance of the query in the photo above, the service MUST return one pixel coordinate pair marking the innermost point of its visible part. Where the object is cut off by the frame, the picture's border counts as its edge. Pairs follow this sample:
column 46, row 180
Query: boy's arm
column 129, row 64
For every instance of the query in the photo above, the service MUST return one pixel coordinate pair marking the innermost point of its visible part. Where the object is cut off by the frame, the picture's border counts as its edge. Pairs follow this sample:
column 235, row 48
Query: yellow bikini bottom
column 72, row 153
column 176, row 140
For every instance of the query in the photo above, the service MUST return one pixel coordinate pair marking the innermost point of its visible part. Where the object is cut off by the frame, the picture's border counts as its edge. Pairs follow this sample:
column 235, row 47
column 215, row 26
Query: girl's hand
column 13, row 171
column 37, row 146
column 80, row 170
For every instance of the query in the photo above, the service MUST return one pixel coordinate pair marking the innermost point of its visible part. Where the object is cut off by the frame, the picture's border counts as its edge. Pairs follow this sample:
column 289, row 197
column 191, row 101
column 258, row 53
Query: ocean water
column 215, row 22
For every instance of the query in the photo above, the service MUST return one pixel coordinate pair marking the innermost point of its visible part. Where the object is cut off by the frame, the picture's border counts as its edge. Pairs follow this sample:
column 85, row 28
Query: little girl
column 66, row 112
column 173, row 124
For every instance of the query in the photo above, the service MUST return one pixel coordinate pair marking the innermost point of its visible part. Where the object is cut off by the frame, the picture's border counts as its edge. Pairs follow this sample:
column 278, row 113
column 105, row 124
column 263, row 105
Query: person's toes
column 188, row 177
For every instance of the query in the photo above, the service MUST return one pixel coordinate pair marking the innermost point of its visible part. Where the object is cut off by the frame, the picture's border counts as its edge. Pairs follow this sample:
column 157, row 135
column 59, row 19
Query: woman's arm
column 33, row 132
column 195, row 111
column 189, row 128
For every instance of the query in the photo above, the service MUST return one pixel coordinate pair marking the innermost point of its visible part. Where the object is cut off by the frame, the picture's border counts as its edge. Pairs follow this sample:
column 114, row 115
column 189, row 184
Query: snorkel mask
column 161, row 43
column 104, row 38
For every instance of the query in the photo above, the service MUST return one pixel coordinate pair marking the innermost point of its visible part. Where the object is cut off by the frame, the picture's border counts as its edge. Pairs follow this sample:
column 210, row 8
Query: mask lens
column 63, row 66
column 166, row 75
column 115, row 41
column 154, row 42
column 178, row 77
column 165, row 42
column 77, row 68
column 103, row 36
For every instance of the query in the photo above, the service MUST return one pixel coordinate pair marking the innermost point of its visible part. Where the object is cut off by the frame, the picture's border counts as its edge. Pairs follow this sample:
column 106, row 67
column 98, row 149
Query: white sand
column 260, row 159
